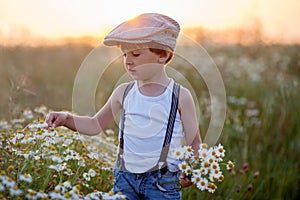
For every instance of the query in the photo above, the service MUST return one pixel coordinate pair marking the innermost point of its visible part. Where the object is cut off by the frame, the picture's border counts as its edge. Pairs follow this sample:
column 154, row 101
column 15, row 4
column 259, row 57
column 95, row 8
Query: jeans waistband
column 162, row 172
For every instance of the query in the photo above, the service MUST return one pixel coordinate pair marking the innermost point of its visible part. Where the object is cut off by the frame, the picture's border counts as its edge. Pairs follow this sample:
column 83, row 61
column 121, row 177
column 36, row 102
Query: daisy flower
column 220, row 150
column 178, row 153
column 230, row 165
column 15, row 191
column 188, row 153
column 202, row 153
column 92, row 173
column 202, row 184
column 26, row 177
column 211, row 187
column 185, row 168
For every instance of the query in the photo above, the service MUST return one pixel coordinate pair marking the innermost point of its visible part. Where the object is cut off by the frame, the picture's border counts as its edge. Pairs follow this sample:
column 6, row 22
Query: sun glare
column 49, row 20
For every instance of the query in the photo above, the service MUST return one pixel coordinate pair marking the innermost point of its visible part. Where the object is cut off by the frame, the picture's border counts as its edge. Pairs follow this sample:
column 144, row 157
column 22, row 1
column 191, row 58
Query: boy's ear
column 163, row 58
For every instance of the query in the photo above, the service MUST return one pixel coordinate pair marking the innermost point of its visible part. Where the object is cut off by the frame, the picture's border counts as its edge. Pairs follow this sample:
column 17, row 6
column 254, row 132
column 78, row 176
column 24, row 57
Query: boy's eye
column 135, row 54
column 124, row 55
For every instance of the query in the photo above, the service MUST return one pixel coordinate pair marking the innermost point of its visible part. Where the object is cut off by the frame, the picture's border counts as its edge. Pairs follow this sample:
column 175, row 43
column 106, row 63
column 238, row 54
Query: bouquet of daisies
column 203, row 167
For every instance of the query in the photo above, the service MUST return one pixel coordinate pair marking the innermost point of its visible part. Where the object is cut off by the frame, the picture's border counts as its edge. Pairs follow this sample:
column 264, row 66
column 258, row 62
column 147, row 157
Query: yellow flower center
column 110, row 193
column 67, row 195
column 202, row 183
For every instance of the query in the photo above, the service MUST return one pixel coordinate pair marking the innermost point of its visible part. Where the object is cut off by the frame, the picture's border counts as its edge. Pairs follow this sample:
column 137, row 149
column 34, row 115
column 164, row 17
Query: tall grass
column 261, row 132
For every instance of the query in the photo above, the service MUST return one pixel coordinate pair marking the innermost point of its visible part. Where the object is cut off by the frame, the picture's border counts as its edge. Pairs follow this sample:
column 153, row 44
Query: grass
column 261, row 131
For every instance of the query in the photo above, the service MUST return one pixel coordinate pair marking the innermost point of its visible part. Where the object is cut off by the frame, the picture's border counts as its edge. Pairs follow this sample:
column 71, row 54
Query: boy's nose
column 128, row 63
column 129, row 67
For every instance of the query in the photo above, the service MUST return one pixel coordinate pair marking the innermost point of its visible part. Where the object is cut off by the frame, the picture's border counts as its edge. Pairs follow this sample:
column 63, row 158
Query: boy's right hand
column 55, row 119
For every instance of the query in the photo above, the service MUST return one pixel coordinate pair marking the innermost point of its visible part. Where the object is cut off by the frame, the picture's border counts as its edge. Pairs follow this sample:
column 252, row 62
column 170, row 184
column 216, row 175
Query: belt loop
column 160, row 164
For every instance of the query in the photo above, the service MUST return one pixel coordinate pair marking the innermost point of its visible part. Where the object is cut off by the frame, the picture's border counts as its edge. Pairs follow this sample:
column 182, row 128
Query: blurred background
column 254, row 43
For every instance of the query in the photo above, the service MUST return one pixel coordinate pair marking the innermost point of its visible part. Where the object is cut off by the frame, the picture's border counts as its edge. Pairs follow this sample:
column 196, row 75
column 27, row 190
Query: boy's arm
column 189, row 119
column 90, row 125
column 190, row 127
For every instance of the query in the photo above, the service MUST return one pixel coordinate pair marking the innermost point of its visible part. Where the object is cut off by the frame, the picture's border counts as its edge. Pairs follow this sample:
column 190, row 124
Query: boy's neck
column 153, row 88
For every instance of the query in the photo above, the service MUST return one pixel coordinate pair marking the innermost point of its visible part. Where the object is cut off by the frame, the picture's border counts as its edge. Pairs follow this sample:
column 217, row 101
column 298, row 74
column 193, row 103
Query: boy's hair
column 163, row 52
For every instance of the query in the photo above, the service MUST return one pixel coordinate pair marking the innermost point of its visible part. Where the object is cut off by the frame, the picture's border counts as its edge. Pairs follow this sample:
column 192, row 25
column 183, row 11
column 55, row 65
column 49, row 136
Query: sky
column 22, row 19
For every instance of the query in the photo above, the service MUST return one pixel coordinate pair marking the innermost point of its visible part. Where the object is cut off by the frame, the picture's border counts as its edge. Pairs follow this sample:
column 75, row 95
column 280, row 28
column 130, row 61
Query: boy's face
column 142, row 63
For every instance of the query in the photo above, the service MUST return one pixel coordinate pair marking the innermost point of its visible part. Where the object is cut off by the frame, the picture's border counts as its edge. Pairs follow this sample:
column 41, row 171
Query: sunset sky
column 19, row 19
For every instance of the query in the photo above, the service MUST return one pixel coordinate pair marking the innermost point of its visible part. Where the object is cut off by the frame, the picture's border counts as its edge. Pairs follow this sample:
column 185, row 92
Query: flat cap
column 153, row 29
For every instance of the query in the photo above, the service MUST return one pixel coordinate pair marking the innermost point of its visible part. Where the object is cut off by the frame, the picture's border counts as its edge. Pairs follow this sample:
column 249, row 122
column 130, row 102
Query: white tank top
column 146, row 120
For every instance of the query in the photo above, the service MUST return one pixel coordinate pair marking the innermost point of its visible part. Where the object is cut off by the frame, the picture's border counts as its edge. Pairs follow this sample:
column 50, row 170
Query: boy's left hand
column 185, row 181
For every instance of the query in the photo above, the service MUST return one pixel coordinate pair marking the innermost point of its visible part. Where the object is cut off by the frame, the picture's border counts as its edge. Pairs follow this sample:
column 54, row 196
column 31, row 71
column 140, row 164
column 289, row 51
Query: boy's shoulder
column 121, row 87
column 185, row 94
column 119, row 91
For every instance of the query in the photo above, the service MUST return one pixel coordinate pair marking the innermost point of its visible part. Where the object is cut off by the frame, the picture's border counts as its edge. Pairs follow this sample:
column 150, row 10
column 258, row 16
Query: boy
column 157, row 113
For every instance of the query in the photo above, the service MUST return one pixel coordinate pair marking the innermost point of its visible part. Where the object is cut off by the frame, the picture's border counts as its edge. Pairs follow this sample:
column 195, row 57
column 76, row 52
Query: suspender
column 162, row 162
column 120, row 161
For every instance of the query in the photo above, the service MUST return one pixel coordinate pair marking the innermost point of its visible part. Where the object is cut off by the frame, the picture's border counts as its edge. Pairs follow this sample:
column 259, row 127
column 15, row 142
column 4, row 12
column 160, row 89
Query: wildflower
column 26, row 154
column 28, row 113
column 31, row 194
column 27, row 139
column 205, row 164
column 229, row 165
column 92, row 173
column 37, row 157
column 67, row 184
column 178, row 152
column 211, row 187
column 183, row 165
column 202, row 153
column 41, row 109
column 19, row 136
column 15, row 191
column 75, row 194
column 39, row 125
column 203, row 170
column 246, row 167
column 185, row 168
column 60, row 188
column 110, row 193
column 95, row 195
column 81, row 162
column 220, row 150
column 250, row 187
column 4, row 124
column 215, row 175
column 41, row 195
column 252, row 112
column 203, row 146
column 56, row 195
column 68, row 195
column 58, row 167
column 256, row 174
column 188, row 152
column 56, row 158
column 202, row 184
column 109, row 132
column 86, row 176
column 196, row 172
column 17, row 121
column 67, row 142
column 10, row 168
column 26, row 177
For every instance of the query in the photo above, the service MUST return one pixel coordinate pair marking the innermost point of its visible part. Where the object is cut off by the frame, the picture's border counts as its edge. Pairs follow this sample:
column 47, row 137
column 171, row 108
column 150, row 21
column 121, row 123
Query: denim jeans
column 147, row 186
